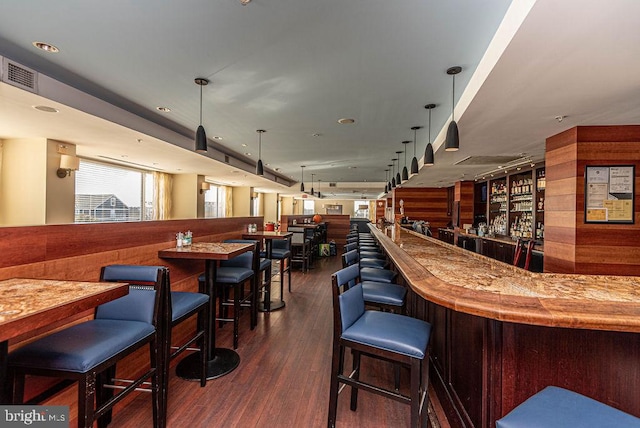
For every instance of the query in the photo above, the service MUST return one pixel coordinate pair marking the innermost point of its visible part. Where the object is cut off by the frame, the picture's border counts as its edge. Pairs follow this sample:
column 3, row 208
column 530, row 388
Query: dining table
column 267, row 305
column 28, row 304
column 220, row 361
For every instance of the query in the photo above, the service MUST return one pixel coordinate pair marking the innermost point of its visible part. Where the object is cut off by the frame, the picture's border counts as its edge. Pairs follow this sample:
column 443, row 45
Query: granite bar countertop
column 471, row 283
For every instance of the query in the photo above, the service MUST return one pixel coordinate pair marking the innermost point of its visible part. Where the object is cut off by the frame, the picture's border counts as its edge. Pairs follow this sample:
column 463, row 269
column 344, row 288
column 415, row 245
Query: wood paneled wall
column 424, row 203
column 571, row 246
column 337, row 225
column 78, row 251
column 464, row 194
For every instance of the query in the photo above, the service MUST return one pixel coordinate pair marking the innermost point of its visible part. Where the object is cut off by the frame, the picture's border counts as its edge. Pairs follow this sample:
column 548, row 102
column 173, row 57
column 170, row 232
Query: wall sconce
column 68, row 163
column 204, row 186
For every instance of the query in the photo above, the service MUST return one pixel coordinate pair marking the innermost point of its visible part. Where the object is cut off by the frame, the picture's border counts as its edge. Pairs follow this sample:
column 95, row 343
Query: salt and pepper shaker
column 179, row 239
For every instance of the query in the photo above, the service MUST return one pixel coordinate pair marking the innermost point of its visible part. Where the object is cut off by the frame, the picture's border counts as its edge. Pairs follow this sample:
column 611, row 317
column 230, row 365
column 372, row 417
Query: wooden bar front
column 501, row 334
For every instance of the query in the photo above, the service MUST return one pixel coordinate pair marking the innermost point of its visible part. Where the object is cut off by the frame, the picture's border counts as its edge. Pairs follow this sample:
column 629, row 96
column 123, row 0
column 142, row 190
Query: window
column 308, row 207
column 361, row 209
column 214, row 202
column 107, row 193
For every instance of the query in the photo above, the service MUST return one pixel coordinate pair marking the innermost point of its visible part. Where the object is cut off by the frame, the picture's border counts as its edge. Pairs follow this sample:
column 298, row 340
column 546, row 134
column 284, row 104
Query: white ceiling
column 294, row 67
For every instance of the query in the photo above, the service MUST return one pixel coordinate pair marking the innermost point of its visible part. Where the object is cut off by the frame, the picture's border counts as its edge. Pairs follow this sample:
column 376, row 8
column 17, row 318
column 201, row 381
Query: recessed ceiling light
column 46, row 47
column 46, row 109
column 139, row 140
column 244, row 145
column 346, row 120
column 217, row 137
column 163, row 109
column 247, row 153
column 267, row 164
column 316, row 135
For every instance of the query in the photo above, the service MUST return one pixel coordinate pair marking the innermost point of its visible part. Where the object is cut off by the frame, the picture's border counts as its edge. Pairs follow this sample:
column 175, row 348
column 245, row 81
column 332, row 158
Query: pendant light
column 302, row 179
column 389, row 179
column 312, row 175
column 414, row 161
column 398, row 178
column 386, row 178
column 393, row 174
column 201, row 136
column 452, row 142
column 428, row 152
column 259, row 167
column 405, row 170
column 319, row 195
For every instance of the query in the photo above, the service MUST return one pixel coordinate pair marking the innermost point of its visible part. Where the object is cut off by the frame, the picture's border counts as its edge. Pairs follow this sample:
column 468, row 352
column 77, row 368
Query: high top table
column 29, row 304
column 220, row 360
column 267, row 305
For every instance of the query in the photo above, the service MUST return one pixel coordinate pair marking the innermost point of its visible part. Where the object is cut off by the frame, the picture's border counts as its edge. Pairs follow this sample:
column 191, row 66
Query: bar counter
column 501, row 334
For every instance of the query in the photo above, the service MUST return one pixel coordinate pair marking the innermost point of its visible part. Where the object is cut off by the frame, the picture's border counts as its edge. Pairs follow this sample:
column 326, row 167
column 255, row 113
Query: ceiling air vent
column 226, row 159
column 19, row 76
column 488, row 160
column 332, row 184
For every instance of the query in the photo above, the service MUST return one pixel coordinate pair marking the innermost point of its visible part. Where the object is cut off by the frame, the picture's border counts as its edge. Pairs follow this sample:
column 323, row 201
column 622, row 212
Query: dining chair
column 88, row 352
column 382, row 335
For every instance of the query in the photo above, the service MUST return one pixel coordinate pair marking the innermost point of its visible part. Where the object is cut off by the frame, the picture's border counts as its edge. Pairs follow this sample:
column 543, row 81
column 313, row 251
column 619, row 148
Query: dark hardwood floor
column 283, row 377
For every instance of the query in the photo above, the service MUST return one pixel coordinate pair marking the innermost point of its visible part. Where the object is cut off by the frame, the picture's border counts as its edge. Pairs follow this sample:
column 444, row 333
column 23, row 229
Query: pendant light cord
column 259, row 145
column 453, row 99
column 430, row 125
column 415, row 131
column 200, row 104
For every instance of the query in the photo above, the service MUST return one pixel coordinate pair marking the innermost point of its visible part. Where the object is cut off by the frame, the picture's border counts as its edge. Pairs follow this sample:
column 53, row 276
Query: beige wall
column 270, row 207
column 60, row 192
column 287, row 205
column 242, row 201
column 23, row 182
column 185, row 196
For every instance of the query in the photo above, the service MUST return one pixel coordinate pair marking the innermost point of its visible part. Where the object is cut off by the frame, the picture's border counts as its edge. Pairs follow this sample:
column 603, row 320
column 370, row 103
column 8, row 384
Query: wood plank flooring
column 283, row 377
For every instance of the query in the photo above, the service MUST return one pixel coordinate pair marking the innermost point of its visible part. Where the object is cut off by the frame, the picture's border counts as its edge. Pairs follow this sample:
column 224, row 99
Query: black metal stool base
column 225, row 361
column 273, row 306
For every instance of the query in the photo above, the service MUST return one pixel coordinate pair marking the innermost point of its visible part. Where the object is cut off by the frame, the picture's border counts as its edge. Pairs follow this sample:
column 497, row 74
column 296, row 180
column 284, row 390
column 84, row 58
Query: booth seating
column 233, row 274
column 391, row 337
column 555, row 407
column 88, row 352
column 367, row 273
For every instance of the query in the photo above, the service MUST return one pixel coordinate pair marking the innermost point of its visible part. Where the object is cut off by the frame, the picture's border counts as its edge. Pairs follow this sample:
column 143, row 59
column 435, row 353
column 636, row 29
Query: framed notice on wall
column 609, row 194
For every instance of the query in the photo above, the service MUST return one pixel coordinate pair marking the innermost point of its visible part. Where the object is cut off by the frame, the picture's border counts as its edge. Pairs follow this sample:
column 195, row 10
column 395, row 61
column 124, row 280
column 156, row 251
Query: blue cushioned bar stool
column 233, row 274
column 281, row 250
column 183, row 306
column 391, row 337
column 555, row 407
column 88, row 352
column 367, row 273
column 365, row 254
column 384, row 295
column 264, row 274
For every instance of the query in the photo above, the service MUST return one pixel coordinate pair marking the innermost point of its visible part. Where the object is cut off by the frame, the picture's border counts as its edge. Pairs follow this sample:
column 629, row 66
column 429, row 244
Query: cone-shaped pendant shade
column 414, row 165
column 453, row 141
column 386, row 189
column 428, row 155
column 398, row 179
column 201, row 140
column 393, row 182
column 405, row 173
column 201, row 136
column 302, row 178
column 302, row 187
column 259, row 168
